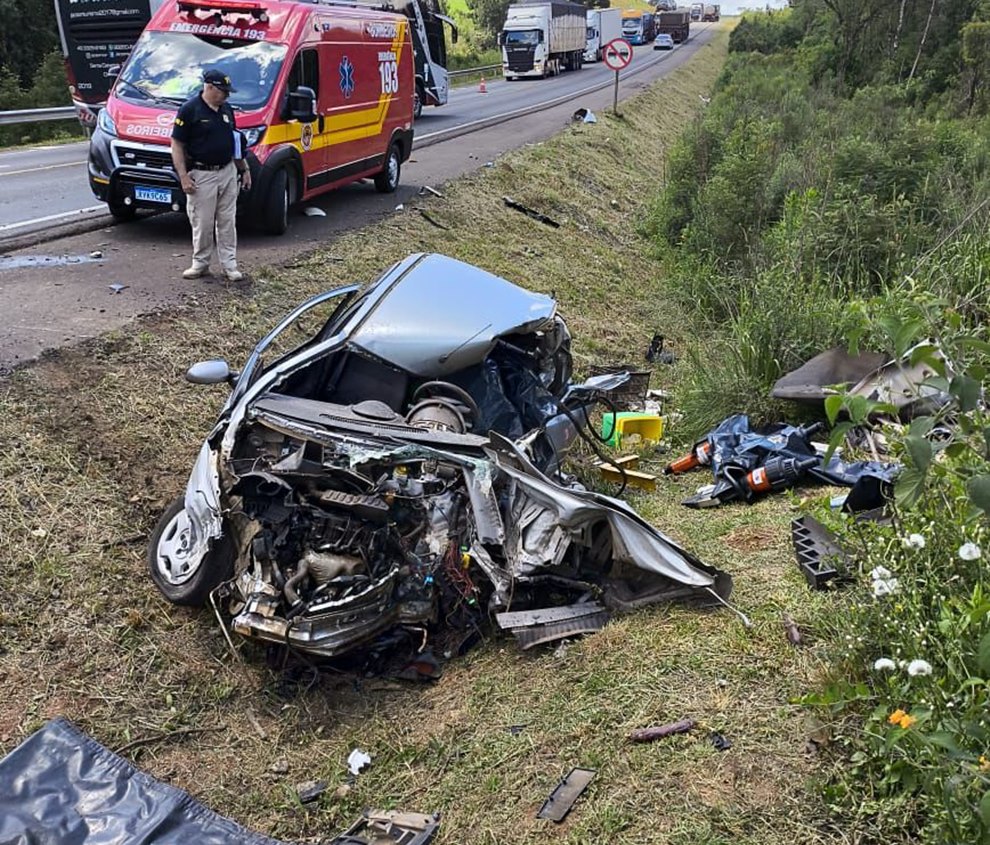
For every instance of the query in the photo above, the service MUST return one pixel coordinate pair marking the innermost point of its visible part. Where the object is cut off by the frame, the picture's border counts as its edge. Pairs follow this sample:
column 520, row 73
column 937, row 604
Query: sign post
column 618, row 54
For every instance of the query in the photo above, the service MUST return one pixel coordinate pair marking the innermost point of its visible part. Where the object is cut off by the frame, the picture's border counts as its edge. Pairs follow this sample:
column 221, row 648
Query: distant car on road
column 663, row 41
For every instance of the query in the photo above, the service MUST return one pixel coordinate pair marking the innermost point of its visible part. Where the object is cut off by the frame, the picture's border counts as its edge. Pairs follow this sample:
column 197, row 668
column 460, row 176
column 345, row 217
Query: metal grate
column 132, row 155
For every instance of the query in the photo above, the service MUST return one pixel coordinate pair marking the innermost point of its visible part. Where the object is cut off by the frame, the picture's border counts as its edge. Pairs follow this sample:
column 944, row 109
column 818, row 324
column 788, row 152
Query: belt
column 198, row 165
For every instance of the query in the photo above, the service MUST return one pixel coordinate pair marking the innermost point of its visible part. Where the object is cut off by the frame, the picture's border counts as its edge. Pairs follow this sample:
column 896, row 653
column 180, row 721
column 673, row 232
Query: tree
column 976, row 57
column 27, row 34
column 855, row 19
column 489, row 15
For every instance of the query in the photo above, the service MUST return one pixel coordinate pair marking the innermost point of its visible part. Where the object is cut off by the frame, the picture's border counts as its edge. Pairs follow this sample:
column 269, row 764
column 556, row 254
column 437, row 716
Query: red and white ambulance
column 324, row 98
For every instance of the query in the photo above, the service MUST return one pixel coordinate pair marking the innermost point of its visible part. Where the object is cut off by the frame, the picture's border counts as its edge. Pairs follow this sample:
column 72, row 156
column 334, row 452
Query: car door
column 311, row 140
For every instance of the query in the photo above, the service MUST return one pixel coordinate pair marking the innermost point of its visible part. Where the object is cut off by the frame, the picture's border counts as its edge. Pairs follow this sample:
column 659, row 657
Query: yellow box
column 647, row 426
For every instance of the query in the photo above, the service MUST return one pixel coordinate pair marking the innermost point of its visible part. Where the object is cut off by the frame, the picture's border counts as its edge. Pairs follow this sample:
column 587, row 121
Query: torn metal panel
column 559, row 804
column 533, row 627
column 390, row 827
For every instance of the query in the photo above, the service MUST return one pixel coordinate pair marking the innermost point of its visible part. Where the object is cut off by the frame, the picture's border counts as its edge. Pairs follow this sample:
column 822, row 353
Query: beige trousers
column 211, row 213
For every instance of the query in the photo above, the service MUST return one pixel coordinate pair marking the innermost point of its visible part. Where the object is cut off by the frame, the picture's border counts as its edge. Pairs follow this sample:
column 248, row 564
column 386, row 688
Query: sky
column 736, row 6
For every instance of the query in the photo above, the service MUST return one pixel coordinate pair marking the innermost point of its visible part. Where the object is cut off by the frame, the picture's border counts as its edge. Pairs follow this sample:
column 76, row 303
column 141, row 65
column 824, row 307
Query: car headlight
column 253, row 135
column 105, row 122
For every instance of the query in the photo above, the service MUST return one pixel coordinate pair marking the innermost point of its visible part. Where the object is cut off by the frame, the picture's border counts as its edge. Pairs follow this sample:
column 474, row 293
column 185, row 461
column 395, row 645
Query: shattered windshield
column 168, row 67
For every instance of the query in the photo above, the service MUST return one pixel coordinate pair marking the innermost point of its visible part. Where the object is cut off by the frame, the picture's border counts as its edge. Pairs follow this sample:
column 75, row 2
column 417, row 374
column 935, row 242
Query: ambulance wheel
column 122, row 212
column 418, row 98
column 276, row 214
column 388, row 180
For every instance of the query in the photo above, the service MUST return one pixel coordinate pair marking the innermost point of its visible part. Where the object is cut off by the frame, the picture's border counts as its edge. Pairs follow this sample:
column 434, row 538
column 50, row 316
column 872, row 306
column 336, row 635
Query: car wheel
column 418, row 99
column 388, row 180
column 122, row 212
column 276, row 211
column 180, row 581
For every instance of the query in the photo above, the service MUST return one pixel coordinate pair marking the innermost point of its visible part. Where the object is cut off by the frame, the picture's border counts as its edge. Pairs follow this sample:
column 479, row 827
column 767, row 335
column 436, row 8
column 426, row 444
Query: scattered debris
column 357, row 760
column 529, row 212
column 656, row 354
column 720, row 742
column 96, row 253
column 624, row 471
column 661, row 731
column 819, row 556
column 400, row 207
column 559, row 804
column 532, row 627
column 313, row 211
column 117, row 287
column 17, row 262
column 309, row 790
column 515, row 730
column 820, row 376
column 433, row 221
column 584, row 115
column 378, row 827
column 489, row 164
column 628, row 391
column 426, row 189
column 791, row 630
column 423, row 667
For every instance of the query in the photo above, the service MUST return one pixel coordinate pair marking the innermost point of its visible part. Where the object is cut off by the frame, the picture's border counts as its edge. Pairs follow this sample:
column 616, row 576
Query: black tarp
column 61, row 787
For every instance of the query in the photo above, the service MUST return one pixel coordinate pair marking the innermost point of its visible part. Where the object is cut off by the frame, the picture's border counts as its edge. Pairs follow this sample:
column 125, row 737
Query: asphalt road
column 77, row 285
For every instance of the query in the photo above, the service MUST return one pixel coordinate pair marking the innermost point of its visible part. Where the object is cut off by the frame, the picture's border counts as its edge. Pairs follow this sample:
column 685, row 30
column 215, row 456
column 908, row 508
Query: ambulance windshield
column 167, row 67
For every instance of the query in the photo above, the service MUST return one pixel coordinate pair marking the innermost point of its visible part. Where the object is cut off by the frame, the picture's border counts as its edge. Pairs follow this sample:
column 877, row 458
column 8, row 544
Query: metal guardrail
column 8, row 118
column 468, row 71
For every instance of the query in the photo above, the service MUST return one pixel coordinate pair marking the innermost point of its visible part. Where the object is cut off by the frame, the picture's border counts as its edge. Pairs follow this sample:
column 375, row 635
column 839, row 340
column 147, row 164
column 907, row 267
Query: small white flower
column 919, row 667
column 881, row 573
column 914, row 541
column 970, row 551
column 886, row 587
column 884, row 664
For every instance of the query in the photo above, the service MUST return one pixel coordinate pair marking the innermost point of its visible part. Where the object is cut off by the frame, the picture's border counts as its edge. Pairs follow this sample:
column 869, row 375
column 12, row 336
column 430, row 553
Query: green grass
column 99, row 438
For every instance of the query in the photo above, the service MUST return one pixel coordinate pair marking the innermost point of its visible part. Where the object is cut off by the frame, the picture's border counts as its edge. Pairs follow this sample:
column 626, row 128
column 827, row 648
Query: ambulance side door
column 305, row 72
column 358, row 104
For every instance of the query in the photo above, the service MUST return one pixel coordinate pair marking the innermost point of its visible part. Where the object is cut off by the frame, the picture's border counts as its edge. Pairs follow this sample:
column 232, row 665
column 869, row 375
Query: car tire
column 169, row 542
column 418, row 99
column 388, row 180
column 122, row 212
column 276, row 212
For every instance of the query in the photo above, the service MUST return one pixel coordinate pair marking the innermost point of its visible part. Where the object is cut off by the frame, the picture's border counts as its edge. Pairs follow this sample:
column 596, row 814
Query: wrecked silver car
column 401, row 470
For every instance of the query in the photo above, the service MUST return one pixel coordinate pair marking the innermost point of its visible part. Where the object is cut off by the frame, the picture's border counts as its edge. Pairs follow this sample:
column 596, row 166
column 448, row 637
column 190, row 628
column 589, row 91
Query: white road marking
column 51, row 218
column 44, row 167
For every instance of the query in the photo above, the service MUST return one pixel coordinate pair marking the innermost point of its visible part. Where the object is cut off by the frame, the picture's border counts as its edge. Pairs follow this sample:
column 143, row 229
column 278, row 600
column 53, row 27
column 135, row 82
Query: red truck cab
column 324, row 98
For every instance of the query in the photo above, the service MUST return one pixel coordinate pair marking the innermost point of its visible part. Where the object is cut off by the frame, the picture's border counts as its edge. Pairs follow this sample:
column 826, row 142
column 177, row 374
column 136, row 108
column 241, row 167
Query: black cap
column 218, row 79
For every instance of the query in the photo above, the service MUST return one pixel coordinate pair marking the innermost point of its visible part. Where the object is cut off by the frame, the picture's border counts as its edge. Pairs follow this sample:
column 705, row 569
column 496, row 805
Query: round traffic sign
column 618, row 53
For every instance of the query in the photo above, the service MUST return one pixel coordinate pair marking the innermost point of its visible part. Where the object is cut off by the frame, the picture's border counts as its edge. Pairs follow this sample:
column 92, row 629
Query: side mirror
column 211, row 372
column 302, row 104
column 539, row 36
column 501, row 39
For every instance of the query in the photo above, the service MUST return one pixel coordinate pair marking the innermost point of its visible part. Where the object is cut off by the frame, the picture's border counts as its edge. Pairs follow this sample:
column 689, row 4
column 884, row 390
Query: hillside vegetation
column 836, row 190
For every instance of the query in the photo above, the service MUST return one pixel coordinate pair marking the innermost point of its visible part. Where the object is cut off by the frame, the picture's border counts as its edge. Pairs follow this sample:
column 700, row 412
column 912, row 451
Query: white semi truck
column 542, row 39
column 604, row 25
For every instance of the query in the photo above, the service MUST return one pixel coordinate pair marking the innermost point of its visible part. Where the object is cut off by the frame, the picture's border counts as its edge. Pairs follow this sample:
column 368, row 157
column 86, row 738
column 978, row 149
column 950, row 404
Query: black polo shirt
column 208, row 135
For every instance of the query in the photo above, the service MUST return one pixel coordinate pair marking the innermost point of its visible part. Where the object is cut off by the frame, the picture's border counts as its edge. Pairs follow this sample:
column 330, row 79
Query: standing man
column 208, row 157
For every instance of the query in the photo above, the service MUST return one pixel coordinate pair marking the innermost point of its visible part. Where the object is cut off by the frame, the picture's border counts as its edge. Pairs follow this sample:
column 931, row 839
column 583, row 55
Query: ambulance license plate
column 152, row 195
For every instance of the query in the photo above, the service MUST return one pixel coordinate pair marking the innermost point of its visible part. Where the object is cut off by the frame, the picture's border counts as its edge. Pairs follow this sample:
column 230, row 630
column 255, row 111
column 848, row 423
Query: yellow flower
column 895, row 717
column 984, row 764
column 907, row 721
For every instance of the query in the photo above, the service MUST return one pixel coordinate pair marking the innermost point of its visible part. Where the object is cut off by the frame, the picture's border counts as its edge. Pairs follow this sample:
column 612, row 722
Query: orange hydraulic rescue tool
column 699, row 456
